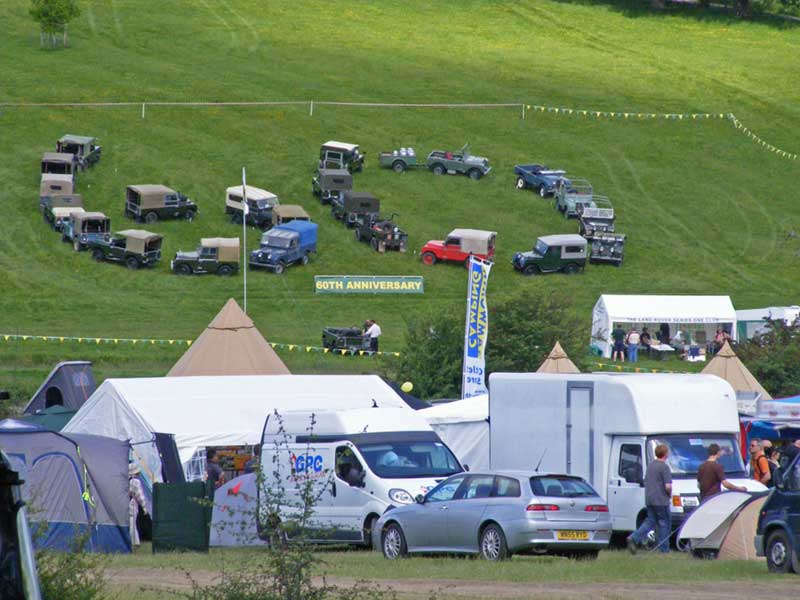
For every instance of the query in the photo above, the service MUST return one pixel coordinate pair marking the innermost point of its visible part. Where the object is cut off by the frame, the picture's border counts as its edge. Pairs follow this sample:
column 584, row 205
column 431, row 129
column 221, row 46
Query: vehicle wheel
column 150, row 218
column 97, row 254
column 304, row 260
column 530, row 270
column 225, row 270
column 368, row 527
column 190, row 215
column 475, row 174
column 393, row 542
column 520, row 183
column 561, row 208
column 374, row 244
column 76, row 245
column 280, row 268
column 398, row 166
column 429, row 258
column 183, row 270
column 132, row 263
column 438, row 169
column 778, row 551
column 493, row 543
column 571, row 269
column 542, row 191
column 236, row 218
column 358, row 234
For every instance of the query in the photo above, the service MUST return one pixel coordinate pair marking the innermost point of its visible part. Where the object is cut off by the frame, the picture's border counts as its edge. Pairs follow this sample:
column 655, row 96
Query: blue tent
column 75, row 485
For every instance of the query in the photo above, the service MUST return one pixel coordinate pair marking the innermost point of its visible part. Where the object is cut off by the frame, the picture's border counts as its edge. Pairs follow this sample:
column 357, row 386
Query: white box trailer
column 605, row 427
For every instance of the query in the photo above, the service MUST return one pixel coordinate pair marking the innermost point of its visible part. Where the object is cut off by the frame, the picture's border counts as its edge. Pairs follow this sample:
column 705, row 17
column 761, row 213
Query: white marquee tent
column 214, row 411
column 696, row 314
column 463, row 425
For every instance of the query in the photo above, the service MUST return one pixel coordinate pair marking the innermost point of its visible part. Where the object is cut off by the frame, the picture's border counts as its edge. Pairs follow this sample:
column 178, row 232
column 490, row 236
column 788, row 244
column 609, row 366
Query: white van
column 361, row 462
column 605, row 427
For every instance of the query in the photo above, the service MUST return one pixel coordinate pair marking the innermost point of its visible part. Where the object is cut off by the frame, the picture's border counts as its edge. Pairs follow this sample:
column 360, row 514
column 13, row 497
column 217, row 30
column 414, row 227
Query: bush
column 774, row 358
column 72, row 575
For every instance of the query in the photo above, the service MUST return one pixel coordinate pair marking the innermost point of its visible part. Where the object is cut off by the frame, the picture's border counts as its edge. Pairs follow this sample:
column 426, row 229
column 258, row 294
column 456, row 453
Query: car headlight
column 400, row 496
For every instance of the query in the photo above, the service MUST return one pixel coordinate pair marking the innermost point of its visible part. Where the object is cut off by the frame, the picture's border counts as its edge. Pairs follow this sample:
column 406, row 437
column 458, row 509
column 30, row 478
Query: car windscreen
column 409, row 459
column 558, row 486
column 540, row 247
column 261, row 203
column 279, row 241
column 688, row 451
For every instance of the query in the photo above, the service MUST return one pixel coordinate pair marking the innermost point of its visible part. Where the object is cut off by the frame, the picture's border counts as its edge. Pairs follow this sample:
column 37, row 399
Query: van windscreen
column 688, row 451
column 410, row 459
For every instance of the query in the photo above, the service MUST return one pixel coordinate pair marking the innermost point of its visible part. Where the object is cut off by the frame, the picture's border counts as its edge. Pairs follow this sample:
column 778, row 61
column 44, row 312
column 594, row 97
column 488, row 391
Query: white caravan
column 605, row 427
column 360, row 461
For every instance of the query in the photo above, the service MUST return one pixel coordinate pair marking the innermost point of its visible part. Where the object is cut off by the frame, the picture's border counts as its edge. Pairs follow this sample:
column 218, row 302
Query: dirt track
column 422, row 588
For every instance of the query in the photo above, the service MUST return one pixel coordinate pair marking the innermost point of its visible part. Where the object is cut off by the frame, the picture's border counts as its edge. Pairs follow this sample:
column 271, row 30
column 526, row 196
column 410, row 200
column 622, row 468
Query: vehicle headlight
column 400, row 496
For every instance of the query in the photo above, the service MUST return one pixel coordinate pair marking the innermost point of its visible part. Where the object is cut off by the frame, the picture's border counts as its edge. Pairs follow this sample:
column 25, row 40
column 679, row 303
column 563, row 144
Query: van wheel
column 393, row 542
column 429, row 258
column 151, row 218
column 98, row 255
column 132, row 263
column 224, row 270
column 779, row 553
column 438, row 169
column 493, row 543
column 369, row 525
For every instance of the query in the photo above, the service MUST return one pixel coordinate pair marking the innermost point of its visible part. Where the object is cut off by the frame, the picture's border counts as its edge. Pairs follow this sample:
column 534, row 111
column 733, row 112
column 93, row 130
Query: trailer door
column 580, row 430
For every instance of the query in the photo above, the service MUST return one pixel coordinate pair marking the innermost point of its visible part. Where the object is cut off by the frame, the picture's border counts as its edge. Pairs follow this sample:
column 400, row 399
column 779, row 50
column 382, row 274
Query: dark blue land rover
column 778, row 532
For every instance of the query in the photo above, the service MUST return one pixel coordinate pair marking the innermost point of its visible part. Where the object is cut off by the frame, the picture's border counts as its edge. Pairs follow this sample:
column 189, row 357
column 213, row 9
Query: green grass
column 706, row 210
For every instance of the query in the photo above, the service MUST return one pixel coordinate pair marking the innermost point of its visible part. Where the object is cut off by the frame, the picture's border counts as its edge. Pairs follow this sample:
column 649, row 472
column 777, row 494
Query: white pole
column 311, row 109
column 143, row 110
column 523, row 110
column 245, row 210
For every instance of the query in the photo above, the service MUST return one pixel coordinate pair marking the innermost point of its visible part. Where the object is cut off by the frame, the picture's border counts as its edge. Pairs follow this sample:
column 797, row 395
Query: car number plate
column 572, row 535
column 690, row 501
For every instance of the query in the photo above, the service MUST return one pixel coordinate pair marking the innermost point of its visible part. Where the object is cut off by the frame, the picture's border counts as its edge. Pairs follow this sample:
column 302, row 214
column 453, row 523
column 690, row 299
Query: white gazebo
column 697, row 316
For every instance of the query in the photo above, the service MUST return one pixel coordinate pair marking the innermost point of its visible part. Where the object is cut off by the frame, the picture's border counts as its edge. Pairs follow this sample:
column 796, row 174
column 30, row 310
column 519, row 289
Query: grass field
column 705, row 209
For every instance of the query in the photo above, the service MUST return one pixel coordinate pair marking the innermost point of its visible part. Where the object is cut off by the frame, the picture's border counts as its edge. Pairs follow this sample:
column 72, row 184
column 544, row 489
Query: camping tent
column 230, row 345
column 464, row 426
column 54, row 418
column 75, row 484
column 213, row 411
column 558, row 362
column 233, row 519
column 698, row 315
column 727, row 365
column 68, row 385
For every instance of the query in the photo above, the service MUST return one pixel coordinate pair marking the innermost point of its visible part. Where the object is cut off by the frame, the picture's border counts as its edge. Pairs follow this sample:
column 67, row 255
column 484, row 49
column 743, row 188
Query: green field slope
column 706, row 210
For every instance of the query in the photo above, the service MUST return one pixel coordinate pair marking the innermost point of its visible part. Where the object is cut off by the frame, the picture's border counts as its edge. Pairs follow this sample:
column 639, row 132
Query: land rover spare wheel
column 151, row 217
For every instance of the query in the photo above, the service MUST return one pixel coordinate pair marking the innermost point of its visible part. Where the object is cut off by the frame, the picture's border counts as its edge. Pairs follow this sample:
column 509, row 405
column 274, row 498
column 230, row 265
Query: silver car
column 498, row 514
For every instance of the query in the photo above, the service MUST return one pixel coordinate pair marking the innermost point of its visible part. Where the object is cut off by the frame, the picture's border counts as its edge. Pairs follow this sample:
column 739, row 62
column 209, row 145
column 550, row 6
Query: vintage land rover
column 351, row 206
column 133, row 247
column 286, row 213
column 149, row 203
column 56, row 209
column 565, row 253
column 331, row 183
column 81, row 229
column 381, row 233
column 285, row 245
column 84, row 148
column 55, row 184
column 459, row 245
column 213, row 255
column 341, row 155
column 259, row 205
column 59, row 163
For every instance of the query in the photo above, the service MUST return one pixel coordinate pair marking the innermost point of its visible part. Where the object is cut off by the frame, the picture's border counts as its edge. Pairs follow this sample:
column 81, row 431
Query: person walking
column 759, row 465
column 657, row 496
column 373, row 330
column 135, row 500
column 633, row 345
column 618, row 335
column 711, row 475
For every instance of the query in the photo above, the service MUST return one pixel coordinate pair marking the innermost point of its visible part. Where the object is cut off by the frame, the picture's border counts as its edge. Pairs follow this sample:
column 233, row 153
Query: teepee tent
column 230, row 345
column 728, row 366
column 558, row 362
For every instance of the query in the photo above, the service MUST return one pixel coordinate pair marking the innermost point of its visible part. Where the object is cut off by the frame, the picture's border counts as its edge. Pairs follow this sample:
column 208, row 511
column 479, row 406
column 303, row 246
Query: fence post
column 523, row 111
column 143, row 110
column 311, row 109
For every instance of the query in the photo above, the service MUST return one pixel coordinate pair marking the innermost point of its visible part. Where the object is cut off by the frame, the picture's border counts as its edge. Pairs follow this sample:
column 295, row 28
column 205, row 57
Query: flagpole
column 245, row 211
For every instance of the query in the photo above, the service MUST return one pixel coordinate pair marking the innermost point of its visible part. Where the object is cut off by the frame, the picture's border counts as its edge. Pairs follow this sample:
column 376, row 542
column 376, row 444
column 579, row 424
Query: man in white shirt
column 373, row 330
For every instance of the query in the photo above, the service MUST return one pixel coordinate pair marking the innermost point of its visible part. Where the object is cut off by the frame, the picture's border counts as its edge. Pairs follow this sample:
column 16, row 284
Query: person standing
column 759, row 465
column 135, row 500
column 214, row 472
column 711, row 475
column 633, row 345
column 618, row 335
column 657, row 496
column 373, row 330
column 773, row 456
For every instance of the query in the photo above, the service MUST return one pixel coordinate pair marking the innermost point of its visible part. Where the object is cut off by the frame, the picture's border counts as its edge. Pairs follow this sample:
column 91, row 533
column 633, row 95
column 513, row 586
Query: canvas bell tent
column 75, row 485
column 558, row 362
column 727, row 365
column 697, row 316
column 464, row 426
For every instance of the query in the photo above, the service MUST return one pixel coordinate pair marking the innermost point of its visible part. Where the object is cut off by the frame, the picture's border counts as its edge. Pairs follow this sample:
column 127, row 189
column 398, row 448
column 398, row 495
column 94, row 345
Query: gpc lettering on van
column 309, row 466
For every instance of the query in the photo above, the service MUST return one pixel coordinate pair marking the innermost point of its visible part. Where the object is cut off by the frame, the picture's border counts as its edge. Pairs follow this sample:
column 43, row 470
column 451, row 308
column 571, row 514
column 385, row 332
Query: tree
column 774, row 358
column 522, row 331
column 53, row 17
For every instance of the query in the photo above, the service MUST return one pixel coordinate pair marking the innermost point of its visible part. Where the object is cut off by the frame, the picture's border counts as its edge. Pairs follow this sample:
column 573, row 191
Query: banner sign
column 368, row 284
column 476, row 331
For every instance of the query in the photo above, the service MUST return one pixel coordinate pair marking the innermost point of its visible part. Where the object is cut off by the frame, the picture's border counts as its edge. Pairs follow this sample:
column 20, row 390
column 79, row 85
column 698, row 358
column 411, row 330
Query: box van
column 361, row 462
column 605, row 427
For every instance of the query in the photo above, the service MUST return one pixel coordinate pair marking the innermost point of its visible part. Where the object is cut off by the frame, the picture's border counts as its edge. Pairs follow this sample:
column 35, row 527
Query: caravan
column 605, row 427
column 359, row 462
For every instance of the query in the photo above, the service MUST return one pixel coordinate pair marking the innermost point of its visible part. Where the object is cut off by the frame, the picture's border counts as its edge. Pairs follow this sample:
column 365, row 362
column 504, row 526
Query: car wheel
column 520, row 183
column 224, row 270
column 183, row 270
column 571, row 269
column 398, row 166
column 150, row 218
column 542, row 191
column 475, row 174
column 374, row 244
column 438, row 169
column 530, row 270
column 393, row 542
column 97, row 254
column 358, row 234
column 778, row 551
column 280, row 268
column 429, row 258
column 493, row 543
column 304, row 260
column 132, row 263
column 190, row 215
